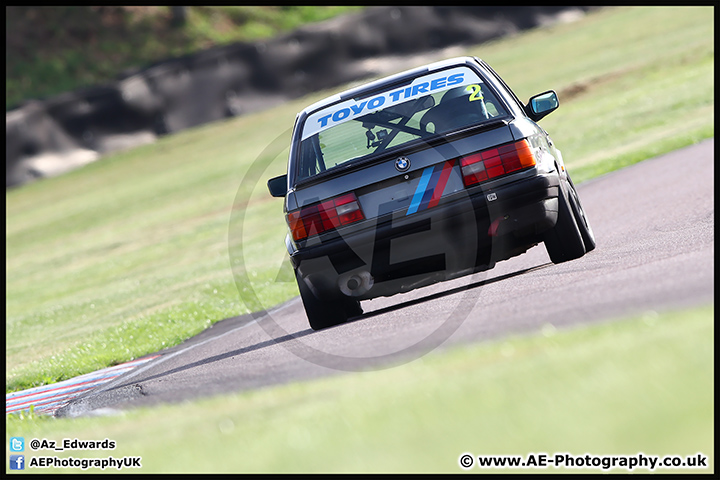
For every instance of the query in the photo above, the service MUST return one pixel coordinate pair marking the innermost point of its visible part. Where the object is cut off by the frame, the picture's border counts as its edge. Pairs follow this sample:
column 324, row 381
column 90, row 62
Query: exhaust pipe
column 356, row 284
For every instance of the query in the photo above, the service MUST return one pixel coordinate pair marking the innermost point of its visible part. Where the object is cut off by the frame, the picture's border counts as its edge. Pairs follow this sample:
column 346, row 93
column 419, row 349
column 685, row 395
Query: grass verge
column 643, row 384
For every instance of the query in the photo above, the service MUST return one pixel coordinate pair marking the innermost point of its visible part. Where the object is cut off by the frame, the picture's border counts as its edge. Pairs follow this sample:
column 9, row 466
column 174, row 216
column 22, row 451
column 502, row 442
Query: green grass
column 140, row 250
column 633, row 83
column 148, row 255
column 642, row 384
column 55, row 49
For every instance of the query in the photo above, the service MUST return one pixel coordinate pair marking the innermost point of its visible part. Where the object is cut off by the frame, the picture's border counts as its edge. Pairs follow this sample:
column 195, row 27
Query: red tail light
column 494, row 162
column 321, row 217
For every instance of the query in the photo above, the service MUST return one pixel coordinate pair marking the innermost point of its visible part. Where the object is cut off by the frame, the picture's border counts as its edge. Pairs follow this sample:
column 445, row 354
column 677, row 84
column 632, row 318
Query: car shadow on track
column 289, row 337
column 446, row 293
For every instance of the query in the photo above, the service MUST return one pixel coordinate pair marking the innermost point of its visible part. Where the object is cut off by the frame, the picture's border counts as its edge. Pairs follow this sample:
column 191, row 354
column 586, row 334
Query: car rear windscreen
column 433, row 104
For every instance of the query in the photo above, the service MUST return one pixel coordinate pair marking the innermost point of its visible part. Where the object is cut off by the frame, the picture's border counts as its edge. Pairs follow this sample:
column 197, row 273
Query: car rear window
column 435, row 103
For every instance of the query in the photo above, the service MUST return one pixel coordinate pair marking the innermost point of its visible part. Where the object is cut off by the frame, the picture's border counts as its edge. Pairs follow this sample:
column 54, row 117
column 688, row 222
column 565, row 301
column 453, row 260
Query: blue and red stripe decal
column 431, row 187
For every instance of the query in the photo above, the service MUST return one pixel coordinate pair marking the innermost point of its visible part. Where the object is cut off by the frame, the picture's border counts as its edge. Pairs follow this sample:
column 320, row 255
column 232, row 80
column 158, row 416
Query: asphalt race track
column 654, row 224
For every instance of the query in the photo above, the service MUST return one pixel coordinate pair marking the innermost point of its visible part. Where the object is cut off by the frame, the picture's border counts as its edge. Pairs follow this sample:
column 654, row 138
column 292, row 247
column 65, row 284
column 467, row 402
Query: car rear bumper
column 466, row 232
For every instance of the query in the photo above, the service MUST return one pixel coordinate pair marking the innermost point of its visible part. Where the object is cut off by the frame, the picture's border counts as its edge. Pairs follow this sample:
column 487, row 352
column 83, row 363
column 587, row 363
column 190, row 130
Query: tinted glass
column 436, row 103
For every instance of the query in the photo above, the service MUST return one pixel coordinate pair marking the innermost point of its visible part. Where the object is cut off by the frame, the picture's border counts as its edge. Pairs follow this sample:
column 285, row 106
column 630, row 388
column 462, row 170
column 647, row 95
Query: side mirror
column 278, row 186
column 542, row 104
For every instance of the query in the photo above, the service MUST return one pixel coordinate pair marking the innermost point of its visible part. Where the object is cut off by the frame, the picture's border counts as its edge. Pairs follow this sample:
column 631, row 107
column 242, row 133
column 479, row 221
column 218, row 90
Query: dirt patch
column 580, row 88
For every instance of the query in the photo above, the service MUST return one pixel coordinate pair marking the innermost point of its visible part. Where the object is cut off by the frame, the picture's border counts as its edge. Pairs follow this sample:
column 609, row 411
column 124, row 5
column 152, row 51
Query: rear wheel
column 564, row 241
column 323, row 314
column 583, row 224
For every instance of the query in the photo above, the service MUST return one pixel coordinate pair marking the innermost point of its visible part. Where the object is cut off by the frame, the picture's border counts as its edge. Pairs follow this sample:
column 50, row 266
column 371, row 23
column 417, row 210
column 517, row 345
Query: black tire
column 583, row 223
column 323, row 314
column 564, row 241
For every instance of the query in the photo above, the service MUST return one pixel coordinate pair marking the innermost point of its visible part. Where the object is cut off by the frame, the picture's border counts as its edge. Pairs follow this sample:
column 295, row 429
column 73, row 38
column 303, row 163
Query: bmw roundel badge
column 402, row 164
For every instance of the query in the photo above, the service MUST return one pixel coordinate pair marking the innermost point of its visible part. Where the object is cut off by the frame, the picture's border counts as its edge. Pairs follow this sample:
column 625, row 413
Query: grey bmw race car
column 420, row 177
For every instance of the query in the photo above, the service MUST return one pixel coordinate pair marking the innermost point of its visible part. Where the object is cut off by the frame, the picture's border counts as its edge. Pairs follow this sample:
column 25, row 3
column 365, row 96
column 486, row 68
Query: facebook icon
column 17, row 462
